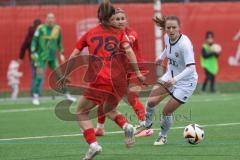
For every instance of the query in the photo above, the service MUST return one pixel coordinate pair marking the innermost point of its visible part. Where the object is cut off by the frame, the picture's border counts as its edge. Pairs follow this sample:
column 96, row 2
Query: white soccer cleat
column 129, row 136
column 92, row 152
column 35, row 100
column 71, row 98
column 160, row 141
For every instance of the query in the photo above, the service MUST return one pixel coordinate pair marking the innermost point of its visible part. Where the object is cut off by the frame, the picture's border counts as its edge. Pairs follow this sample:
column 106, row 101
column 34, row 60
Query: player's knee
column 82, row 110
column 151, row 102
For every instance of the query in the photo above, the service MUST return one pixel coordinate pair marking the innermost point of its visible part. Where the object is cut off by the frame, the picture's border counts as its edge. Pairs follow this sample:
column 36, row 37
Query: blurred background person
column 13, row 76
column 46, row 40
column 209, row 61
column 26, row 47
column 236, row 59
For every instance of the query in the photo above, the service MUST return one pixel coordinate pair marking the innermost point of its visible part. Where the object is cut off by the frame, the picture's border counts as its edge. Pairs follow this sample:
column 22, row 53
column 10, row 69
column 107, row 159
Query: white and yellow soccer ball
column 193, row 133
column 216, row 48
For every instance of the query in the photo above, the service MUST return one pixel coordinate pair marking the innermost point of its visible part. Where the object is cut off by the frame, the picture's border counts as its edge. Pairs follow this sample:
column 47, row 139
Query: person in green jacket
column 46, row 40
column 209, row 62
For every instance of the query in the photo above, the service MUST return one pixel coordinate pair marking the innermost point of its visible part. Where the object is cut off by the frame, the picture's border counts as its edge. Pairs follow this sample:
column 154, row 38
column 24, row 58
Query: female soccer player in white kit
column 179, row 81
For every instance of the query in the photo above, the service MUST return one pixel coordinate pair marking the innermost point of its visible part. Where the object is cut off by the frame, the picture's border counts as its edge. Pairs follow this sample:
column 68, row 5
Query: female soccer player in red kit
column 103, row 42
column 120, row 20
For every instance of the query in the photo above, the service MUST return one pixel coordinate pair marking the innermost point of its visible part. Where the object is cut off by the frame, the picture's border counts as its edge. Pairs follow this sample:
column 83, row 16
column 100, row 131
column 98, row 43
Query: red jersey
column 134, row 41
column 103, row 43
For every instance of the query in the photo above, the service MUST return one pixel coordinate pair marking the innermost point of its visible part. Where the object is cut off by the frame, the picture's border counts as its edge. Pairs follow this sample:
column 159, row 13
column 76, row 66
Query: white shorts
column 181, row 91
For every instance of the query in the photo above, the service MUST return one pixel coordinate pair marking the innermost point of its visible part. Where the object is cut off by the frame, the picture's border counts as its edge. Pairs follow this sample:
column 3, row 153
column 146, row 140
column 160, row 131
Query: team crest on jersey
column 176, row 54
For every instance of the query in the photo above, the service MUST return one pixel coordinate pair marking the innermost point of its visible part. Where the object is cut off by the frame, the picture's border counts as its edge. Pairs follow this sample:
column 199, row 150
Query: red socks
column 136, row 105
column 139, row 109
column 89, row 135
column 101, row 119
column 120, row 120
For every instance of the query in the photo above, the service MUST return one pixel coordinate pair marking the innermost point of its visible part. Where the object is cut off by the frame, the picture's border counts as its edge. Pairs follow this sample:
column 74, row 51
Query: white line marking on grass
column 25, row 110
column 108, row 133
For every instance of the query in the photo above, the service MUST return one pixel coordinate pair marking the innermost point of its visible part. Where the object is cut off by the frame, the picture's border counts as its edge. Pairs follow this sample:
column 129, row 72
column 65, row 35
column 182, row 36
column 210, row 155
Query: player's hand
column 62, row 58
column 140, row 77
column 170, row 83
column 19, row 61
column 235, row 38
column 20, row 74
column 158, row 61
column 34, row 56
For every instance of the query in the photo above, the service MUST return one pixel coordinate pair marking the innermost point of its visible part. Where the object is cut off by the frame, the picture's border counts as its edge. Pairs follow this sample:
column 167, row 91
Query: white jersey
column 180, row 54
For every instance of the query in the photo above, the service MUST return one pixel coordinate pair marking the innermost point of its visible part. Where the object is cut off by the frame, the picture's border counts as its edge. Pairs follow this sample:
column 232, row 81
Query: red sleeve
column 82, row 42
column 133, row 37
column 124, row 40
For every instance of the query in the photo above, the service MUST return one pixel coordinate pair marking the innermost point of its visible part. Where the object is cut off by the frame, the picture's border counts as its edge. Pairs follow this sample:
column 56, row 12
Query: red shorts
column 100, row 93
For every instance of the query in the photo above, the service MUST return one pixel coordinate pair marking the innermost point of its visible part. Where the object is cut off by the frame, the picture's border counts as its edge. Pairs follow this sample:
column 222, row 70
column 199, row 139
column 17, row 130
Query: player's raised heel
column 92, row 152
column 129, row 136
column 160, row 141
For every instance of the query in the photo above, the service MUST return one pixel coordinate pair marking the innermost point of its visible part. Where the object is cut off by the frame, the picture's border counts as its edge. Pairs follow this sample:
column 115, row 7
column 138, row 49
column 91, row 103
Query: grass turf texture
column 24, row 120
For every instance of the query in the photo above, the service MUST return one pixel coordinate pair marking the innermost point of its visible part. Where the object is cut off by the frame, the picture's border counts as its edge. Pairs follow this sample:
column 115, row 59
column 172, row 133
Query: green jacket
column 209, row 61
column 45, row 42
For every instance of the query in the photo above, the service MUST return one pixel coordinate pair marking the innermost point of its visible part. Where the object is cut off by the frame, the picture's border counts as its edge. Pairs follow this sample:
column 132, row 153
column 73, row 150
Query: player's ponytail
column 105, row 12
column 161, row 22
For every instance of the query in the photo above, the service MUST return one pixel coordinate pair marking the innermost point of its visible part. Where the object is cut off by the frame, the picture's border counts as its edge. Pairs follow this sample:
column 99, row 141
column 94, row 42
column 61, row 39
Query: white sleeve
column 187, row 71
column 163, row 55
column 188, row 53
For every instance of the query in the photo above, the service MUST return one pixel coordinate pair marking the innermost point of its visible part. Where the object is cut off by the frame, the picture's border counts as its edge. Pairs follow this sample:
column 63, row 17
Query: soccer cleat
column 145, row 133
column 129, row 136
column 141, row 128
column 99, row 131
column 92, row 152
column 71, row 98
column 160, row 141
column 35, row 100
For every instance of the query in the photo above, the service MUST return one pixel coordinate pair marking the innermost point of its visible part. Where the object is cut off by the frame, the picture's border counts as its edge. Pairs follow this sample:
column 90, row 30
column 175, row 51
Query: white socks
column 165, row 124
column 149, row 115
column 100, row 125
column 94, row 144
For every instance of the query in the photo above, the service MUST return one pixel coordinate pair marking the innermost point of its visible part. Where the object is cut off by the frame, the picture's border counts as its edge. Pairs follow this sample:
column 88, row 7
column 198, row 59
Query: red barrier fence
column 197, row 18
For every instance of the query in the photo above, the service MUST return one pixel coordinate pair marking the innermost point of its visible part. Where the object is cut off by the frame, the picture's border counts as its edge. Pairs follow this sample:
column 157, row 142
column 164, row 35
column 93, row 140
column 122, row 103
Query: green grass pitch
column 35, row 133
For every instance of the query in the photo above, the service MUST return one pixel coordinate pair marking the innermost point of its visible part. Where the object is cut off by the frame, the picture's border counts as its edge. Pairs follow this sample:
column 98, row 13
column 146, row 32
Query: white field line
column 107, row 133
column 26, row 110
column 52, row 108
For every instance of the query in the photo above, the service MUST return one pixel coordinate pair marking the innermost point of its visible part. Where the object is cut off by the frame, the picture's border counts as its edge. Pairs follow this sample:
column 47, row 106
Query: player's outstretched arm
column 133, row 60
column 70, row 63
column 161, row 58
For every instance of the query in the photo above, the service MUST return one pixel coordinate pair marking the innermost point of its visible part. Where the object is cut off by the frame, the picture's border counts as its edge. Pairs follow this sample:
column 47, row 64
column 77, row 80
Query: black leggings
column 209, row 77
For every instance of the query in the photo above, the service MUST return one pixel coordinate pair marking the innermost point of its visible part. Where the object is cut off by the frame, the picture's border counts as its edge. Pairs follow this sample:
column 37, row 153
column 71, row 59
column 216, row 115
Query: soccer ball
column 193, row 133
column 216, row 48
